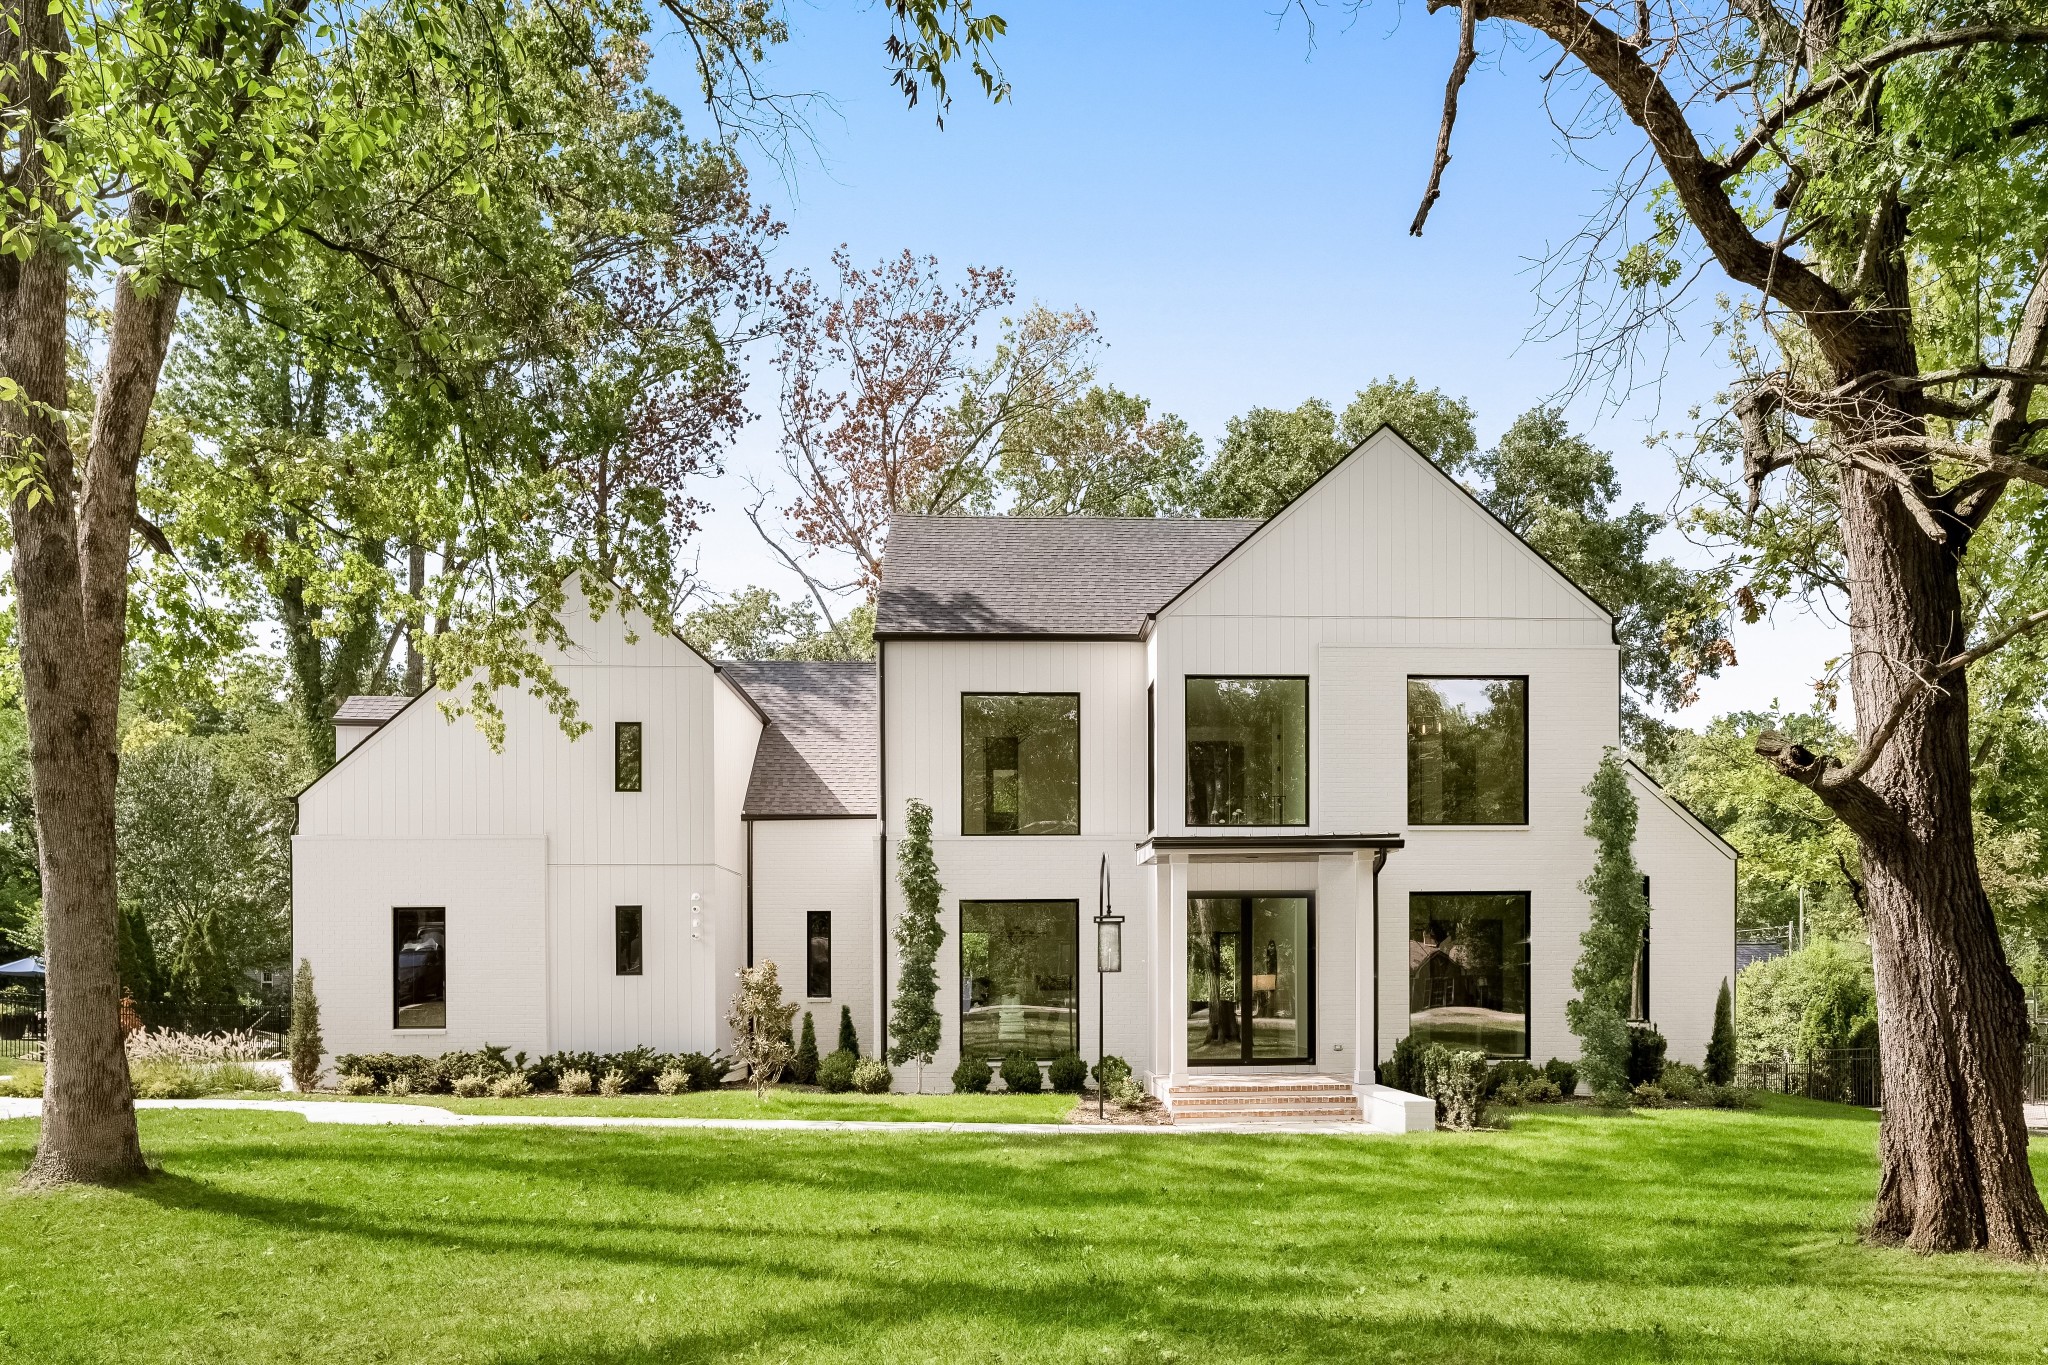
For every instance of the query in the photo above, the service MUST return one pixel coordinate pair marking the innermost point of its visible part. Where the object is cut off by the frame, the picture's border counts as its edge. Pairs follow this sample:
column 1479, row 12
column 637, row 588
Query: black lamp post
column 1109, row 957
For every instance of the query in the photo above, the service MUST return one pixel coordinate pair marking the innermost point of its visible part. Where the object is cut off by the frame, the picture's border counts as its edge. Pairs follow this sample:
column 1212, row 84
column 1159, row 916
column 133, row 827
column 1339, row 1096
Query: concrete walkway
column 2037, row 1117
column 433, row 1116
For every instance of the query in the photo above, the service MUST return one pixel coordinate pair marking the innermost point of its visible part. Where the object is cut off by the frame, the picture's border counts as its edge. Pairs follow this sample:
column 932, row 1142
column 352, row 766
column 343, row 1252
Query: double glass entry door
column 1250, row 974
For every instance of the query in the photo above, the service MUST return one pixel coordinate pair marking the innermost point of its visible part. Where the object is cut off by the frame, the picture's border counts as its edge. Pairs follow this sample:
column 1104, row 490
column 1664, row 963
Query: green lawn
column 1673, row 1235
column 778, row 1104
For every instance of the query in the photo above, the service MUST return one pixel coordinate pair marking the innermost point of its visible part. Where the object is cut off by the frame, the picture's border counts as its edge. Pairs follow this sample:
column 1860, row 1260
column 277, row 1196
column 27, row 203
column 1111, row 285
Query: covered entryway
column 1251, row 979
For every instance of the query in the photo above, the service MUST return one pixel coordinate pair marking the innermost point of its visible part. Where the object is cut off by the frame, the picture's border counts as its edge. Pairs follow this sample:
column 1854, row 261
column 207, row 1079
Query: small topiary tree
column 1068, row 1073
column 804, row 1069
column 760, row 1025
column 1720, row 1068
column 1020, row 1074
column 835, row 1073
column 304, row 1044
column 849, row 1041
column 1645, row 1055
column 1607, row 956
column 970, row 1077
column 914, row 1024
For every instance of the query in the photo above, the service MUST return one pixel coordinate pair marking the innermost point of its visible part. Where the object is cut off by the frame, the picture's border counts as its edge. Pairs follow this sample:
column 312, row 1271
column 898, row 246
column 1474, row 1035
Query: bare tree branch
column 1468, row 19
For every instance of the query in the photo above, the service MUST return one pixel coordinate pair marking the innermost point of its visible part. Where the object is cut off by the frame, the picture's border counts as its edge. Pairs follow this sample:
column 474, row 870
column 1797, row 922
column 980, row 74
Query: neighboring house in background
column 1334, row 762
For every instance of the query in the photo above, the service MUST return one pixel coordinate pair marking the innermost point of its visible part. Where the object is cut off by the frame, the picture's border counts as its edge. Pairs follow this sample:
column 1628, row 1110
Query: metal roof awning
column 1245, row 847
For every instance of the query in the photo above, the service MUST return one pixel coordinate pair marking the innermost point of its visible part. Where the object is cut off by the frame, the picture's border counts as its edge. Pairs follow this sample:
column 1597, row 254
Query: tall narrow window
column 1639, row 993
column 419, row 939
column 1247, row 751
column 626, row 942
column 1020, row 965
column 1468, row 751
column 1468, row 978
column 1151, row 759
column 1020, row 763
column 626, row 756
column 818, row 954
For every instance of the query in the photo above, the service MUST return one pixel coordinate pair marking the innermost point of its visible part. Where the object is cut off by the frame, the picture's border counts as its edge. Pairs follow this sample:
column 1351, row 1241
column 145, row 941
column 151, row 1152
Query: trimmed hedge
column 1020, row 1074
column 971, row 1076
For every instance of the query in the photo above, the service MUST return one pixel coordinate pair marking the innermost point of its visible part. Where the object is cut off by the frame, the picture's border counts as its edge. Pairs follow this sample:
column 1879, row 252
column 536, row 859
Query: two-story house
column 1329, row 768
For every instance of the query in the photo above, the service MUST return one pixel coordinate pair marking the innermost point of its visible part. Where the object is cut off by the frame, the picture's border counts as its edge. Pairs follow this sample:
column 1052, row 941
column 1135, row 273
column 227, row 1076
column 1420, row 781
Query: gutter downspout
column 1379, row 860
column 882, row 849
column 750, row 892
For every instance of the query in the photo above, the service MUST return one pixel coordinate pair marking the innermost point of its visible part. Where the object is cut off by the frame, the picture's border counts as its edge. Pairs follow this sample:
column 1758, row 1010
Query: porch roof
column 1261, row 845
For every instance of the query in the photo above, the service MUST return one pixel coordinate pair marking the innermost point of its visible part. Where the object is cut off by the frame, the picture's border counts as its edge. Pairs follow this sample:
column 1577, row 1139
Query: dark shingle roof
column 1042, row 575
column 369, row 710
column 818, row 754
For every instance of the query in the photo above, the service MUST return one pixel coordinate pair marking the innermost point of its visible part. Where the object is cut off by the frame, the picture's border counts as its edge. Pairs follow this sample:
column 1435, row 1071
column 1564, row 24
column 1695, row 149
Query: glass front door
column 1251, row 966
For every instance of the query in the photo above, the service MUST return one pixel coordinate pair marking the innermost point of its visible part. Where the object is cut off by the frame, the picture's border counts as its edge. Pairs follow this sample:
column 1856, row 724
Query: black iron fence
column 2034, row 1073
column 1846, row 1076
column 21, row 1022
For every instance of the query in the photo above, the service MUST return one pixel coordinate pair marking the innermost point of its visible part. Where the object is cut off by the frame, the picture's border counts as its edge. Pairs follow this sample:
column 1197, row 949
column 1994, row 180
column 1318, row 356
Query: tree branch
column 1468, row 19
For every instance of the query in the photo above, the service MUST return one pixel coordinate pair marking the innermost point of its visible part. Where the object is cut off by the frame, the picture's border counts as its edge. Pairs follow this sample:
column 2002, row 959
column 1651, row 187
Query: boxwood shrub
column 971, row 1076
column 1069, row 1073
column 1020, row 1074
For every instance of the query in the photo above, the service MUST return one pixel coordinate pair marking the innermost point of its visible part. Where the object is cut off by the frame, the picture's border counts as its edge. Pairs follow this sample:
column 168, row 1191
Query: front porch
column 1293, row 1099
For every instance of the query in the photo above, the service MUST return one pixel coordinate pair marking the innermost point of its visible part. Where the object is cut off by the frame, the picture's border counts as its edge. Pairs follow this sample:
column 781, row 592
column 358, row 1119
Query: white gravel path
column 432, row 1116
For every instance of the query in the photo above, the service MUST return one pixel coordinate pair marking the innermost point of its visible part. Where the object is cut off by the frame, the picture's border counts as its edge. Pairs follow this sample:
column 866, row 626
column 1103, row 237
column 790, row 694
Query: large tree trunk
column 1954, row 1172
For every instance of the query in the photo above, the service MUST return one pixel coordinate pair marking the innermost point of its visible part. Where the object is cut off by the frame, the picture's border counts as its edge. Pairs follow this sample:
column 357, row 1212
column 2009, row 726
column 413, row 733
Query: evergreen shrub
column 971, row 1076
column 1021, row 1074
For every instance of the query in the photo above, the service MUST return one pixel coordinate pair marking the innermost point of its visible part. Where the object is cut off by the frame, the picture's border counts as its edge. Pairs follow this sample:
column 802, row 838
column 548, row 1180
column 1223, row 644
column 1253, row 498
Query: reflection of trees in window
column 1020, row 763
column 420, row 968
column 818, row 955
column 1468, row 746
column 1468, row 971
column 626, row 756
column 1247, row 751
column 1019, row 967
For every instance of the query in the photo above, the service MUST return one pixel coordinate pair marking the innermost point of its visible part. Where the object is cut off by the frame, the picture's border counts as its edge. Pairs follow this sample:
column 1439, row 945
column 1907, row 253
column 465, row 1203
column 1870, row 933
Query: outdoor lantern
column 1109, row 943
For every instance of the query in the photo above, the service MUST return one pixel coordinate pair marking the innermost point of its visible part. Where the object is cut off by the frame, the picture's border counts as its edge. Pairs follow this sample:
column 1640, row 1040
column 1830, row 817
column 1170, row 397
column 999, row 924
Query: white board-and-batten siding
column 380, row 830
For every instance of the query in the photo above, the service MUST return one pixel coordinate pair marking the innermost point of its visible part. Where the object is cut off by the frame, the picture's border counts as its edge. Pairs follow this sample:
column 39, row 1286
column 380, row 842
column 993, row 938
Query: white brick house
column 1333, row 763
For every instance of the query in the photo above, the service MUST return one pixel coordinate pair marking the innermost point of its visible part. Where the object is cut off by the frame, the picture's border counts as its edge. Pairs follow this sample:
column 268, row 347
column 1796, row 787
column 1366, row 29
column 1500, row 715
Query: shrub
column 971, row 1076
column 574, row 1083
column 1563, row 1075
column 165, row 1080
column 513, row 1085
column 1069, row 1074
column 1645, row 1055
column 1538, row 1090
column 613, row 1083
column 1803, row 1002
column 705, row 1072
column 1109, row 1071
column 835, row 1073
column 759, row 1021
column 1457, row 1082
column 871, row 1076
column 1403, row 1070
column 355, row 1083
column 1514, row 1073
column 673, row 1081
column 1129, row 1093
column 1720, row 1068
column 26, row 1083
column 804, row 1069
column 168, row 1045
column 398, row 1085
column 1728, row 1097
column 849, row 1041
column 1020, row 1074
column 471, row 1086
column 303, row 1043
column 1649, row 1095
column 487, row 1061
column 1683, row 1083
column 427, row 1074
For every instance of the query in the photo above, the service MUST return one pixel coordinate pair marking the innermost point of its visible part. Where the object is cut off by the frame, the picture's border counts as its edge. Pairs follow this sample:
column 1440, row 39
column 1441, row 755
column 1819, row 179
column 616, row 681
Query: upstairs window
column 420, row 967
column 626, row 941
column 626, row 756
column 1247, row 751
column 1468, row 751
column 1020, row 763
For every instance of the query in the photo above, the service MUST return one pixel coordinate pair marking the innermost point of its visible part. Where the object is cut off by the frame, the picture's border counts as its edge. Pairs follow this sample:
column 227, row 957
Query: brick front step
column 1265, row 1099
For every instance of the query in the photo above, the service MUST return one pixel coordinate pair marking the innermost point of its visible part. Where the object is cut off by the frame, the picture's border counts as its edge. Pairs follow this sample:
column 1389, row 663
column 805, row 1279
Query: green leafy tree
column 759, row 1019
column 1607, row 950
column 914, row 1019
column 303, row 1044
column 755, row 623
column 1101, row 455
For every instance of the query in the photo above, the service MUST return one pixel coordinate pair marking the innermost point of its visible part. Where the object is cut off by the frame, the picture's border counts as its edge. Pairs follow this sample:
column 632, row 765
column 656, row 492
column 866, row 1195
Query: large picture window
column 1468, row 971
column 1020, row 962
column 420, row 968
column 1247, row 751
column 1468, row 751
column 1020, row 763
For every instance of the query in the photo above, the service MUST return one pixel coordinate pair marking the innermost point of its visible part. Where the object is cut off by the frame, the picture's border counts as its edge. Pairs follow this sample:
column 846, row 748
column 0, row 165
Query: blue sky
column 1232, row 202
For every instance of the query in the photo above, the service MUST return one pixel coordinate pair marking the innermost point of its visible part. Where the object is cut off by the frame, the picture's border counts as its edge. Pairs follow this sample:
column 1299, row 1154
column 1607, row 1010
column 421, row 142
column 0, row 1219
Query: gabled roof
column 1055, row 576
column 817, row 755
column 369, row 710
column 1678, row 807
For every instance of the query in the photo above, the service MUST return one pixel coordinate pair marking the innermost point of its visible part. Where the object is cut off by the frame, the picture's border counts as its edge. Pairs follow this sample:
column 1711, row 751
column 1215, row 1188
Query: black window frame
column 1527, row 692
column 398, row 939
column 620, row 729
column 622, row 965
column 1639, row 976
column 960, row 957
column 812, row 966
column 1307, row 744
column 1528, row 968
column 1020, row 833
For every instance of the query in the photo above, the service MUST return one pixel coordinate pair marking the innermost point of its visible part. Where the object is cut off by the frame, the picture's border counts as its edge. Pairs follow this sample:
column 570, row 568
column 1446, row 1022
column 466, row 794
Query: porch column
column 1175, row 977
